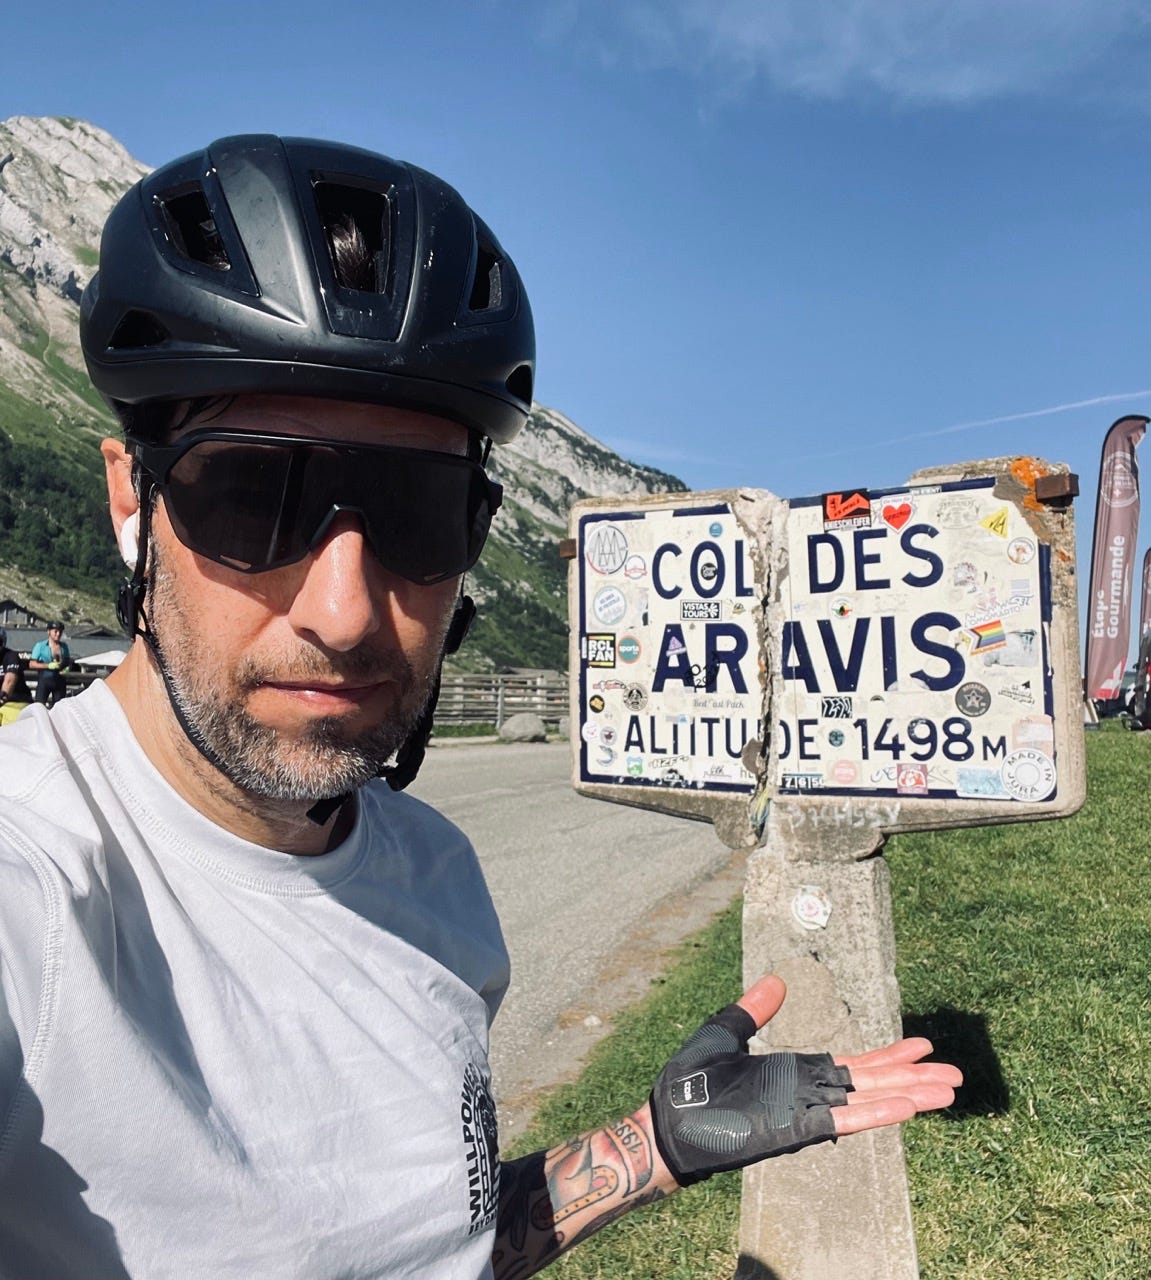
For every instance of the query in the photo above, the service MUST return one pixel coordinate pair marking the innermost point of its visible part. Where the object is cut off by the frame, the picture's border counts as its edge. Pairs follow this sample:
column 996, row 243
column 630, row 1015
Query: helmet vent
column 138, row 329
column 191, row 228
column 519, row 383
column 357, row 227
column 487, row 283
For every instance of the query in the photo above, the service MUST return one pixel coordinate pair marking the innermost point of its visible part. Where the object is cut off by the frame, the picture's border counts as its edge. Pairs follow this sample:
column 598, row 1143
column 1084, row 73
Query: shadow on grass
column 962, row 1038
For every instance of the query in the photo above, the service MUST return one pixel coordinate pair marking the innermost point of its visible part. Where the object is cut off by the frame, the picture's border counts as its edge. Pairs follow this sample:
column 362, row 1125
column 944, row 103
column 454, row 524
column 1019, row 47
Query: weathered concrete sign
column 915, row 645
column 811, row 675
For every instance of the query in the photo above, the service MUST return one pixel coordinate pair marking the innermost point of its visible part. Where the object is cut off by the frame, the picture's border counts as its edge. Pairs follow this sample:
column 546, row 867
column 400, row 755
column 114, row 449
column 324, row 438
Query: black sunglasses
column 256, row 501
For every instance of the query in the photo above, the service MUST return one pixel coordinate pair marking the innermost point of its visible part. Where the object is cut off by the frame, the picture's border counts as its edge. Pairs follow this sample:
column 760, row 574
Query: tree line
column 54, row 520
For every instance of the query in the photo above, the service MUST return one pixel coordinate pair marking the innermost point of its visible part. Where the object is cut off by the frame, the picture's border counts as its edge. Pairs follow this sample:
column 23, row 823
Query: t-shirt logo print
column 481, row 1149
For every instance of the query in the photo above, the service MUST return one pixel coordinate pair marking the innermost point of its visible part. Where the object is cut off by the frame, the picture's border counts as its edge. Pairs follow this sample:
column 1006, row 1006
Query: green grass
column 464, row 730
column 1023, row 951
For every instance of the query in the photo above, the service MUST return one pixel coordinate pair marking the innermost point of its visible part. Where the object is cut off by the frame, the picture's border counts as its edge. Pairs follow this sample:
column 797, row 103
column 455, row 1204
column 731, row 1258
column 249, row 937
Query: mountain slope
column 58, row 180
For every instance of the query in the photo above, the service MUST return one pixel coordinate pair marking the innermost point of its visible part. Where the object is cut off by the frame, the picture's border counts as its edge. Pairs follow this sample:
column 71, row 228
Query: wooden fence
column 464, row 699
column 491, row 699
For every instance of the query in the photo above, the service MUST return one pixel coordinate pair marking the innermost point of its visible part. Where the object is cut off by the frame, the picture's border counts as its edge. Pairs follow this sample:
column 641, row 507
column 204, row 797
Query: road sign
column 908, row 651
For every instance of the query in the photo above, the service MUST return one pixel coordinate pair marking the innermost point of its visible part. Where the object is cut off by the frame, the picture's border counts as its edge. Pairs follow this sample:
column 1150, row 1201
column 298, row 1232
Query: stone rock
column 523, row 727
column 58, row 181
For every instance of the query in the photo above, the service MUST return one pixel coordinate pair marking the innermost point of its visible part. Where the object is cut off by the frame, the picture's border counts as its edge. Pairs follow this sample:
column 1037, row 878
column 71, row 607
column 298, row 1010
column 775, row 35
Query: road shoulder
column 624, row 978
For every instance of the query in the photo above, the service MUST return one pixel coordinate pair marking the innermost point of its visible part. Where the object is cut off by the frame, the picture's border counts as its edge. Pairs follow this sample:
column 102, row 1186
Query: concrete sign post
column 809, row 676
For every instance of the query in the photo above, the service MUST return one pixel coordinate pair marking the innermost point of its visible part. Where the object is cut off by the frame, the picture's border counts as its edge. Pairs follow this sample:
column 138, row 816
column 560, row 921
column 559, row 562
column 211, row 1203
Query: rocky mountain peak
column 59, row 179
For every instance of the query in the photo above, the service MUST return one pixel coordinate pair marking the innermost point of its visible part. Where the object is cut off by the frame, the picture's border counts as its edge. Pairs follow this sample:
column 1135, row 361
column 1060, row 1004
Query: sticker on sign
column 693, row 698
column 921, row 677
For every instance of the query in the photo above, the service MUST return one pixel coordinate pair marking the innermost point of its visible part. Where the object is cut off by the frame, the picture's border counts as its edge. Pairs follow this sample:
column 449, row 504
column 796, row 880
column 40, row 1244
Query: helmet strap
column 133, row 590
column 411, row 755
column 460, row 625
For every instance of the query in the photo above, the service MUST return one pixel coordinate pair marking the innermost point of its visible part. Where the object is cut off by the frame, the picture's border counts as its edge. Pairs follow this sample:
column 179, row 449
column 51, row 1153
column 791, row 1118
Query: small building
column 14, row 614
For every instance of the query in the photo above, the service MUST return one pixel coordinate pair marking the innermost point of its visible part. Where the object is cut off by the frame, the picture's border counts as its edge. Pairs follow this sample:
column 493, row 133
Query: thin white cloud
column 870, row 445
column 655, row 455
column 918, row 51
column 1030, row 413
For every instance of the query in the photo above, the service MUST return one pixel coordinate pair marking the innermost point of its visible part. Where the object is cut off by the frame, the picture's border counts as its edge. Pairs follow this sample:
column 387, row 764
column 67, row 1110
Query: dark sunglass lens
column 428, row 514
column 238, row 503
column 259, row 505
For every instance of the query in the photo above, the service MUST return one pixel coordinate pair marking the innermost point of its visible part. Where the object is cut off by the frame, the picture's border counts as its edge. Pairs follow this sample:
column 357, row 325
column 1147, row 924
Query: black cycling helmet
column 225, row 272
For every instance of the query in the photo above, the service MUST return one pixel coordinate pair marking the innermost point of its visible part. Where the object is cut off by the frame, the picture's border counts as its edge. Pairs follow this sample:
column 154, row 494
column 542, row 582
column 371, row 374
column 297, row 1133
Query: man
column 49, row 658
column 248, row 984
column 14, row 695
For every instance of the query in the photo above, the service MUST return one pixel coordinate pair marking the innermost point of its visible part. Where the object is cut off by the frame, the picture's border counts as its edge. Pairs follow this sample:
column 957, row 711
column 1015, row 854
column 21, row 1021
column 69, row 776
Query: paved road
column 589, row 894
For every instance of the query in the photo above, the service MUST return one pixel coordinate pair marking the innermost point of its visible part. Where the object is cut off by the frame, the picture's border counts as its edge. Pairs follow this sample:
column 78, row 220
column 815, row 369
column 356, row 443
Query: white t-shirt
column 219, row 1060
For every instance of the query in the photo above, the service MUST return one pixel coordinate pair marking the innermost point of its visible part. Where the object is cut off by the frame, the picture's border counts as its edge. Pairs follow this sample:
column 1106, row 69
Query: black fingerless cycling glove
column 716, row 1107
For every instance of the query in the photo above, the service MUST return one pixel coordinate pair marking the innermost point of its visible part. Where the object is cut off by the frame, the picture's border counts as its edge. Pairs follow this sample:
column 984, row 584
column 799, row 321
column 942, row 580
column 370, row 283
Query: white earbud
column 129, row 535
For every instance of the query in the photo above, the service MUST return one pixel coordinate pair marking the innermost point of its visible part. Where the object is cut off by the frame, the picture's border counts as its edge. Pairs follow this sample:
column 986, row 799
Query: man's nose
column 340, row 601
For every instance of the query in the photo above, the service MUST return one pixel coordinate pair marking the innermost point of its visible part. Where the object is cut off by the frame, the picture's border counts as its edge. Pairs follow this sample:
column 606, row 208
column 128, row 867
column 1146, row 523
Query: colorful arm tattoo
column 552, row 1200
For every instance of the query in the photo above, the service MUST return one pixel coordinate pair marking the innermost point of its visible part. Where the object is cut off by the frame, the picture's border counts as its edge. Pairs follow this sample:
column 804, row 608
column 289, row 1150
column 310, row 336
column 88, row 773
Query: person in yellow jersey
column 14, row 694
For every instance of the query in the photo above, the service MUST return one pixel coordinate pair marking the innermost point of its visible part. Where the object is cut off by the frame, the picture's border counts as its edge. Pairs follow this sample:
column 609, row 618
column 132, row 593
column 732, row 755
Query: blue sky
column 796, row 244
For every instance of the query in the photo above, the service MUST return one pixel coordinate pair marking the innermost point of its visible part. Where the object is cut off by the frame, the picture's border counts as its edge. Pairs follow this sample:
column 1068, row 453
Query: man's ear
column 122, row 500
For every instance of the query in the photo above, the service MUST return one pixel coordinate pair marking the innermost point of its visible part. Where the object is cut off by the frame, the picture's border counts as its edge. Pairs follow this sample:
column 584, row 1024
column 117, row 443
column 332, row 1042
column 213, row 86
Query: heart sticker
column 897, row 517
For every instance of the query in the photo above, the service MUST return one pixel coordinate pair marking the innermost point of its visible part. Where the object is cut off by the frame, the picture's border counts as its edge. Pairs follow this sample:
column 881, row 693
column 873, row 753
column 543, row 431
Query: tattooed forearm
column 610, row 1215
column 550, row 1201
column 519, row 1180
column 575, row 1181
